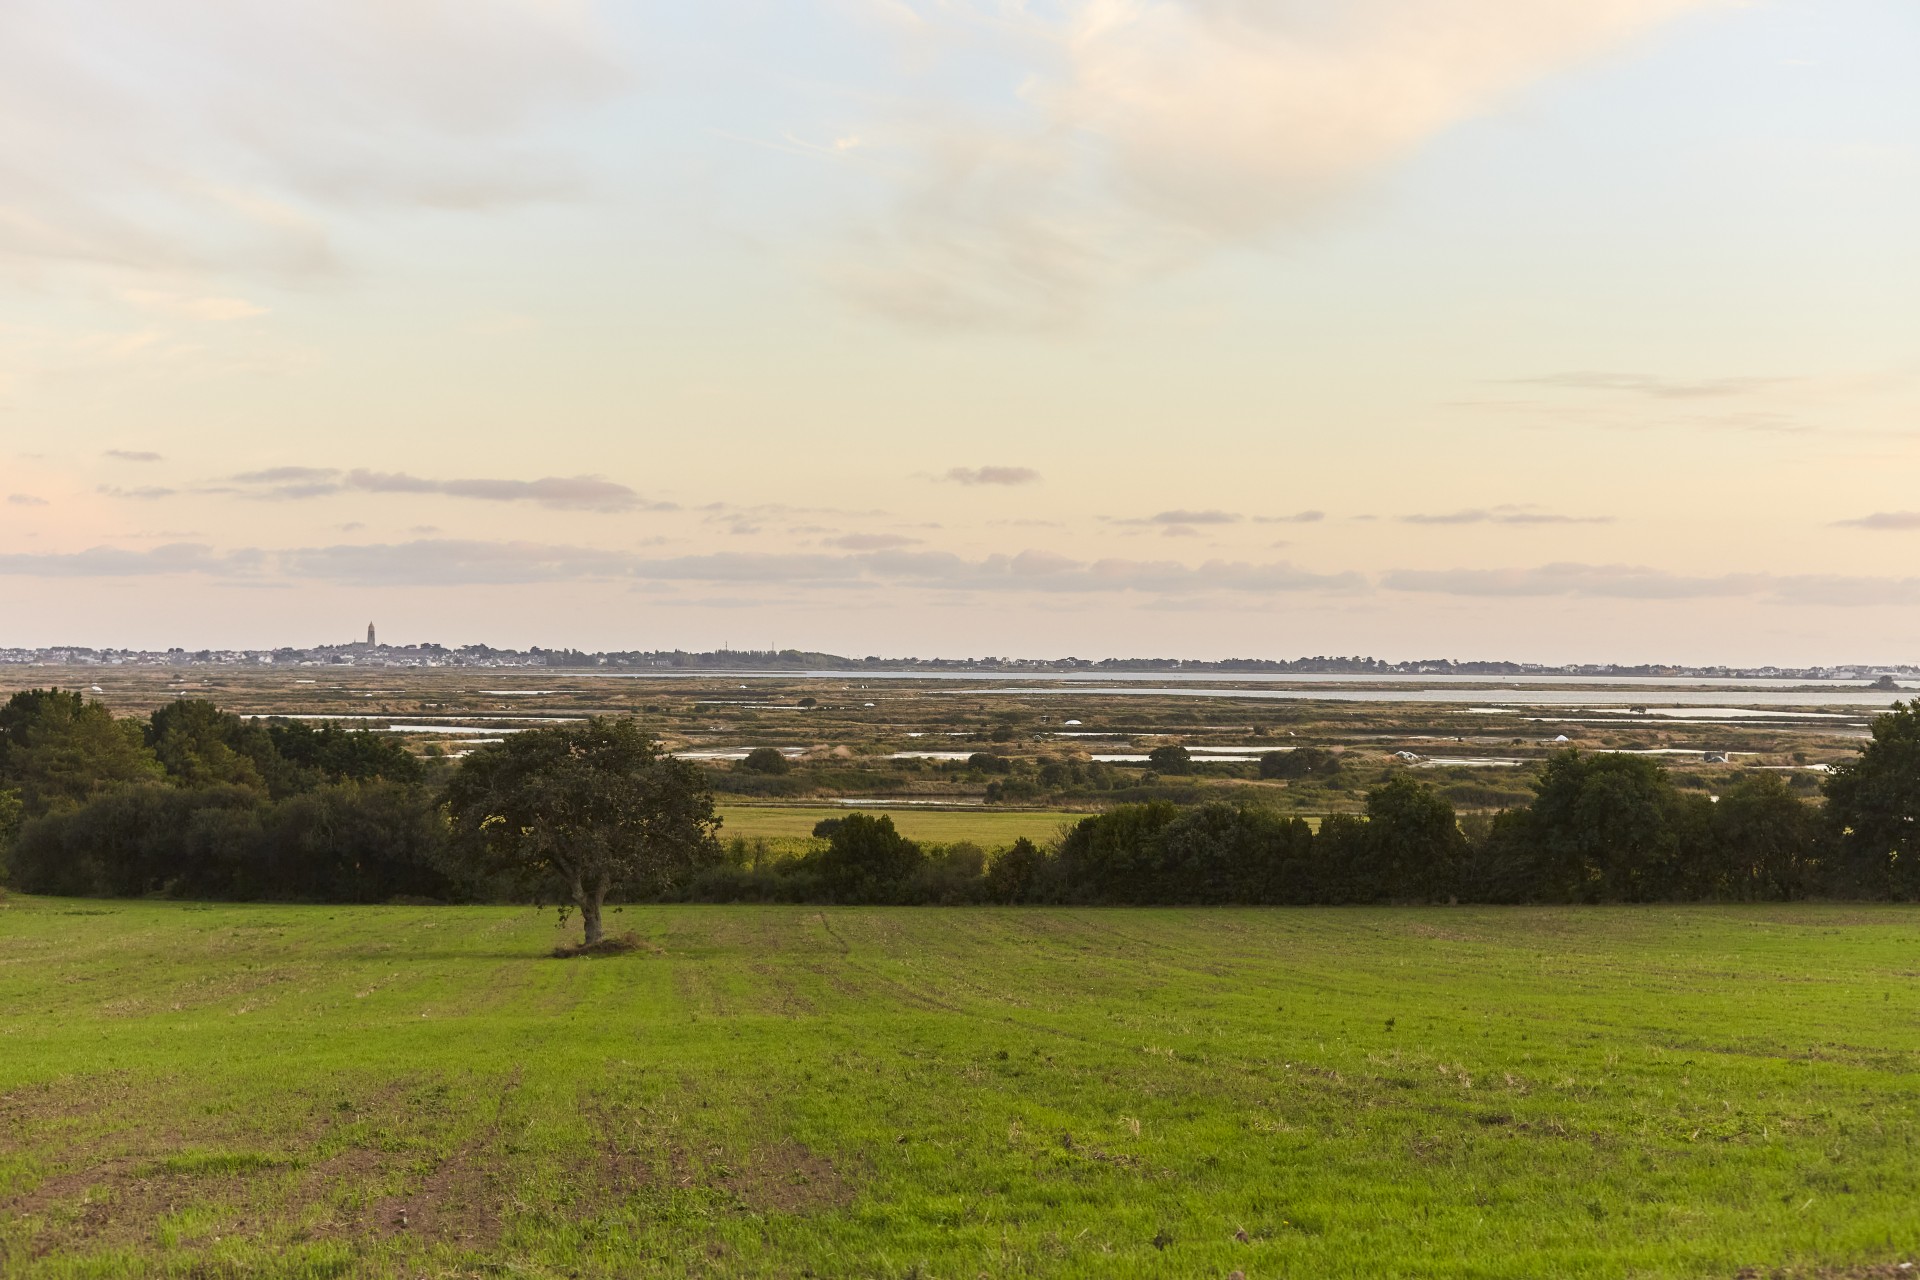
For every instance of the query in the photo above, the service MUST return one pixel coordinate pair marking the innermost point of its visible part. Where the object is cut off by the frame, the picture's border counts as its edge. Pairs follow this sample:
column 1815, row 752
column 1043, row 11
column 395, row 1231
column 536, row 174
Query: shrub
column 1021, row 873
column 866, row 859
column 1172, row 758
column 1300, row 762
column 768, row 760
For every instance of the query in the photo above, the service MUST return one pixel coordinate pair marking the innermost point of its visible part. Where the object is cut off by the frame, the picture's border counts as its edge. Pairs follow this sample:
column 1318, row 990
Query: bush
column 949, row 877
column 865, row 859
column 1173, row 758
column 767, row 760
column 1301, row 762
column 1224, row 853
column 1022, row 873
column 349, row 842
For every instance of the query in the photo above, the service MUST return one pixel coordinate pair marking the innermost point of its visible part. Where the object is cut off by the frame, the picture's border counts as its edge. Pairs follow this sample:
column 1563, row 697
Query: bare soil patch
column 616, row 946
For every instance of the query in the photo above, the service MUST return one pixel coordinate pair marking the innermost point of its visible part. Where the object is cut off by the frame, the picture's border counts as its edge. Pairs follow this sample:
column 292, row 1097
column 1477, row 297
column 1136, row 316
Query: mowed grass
column 200, row 1090
column 988, row 828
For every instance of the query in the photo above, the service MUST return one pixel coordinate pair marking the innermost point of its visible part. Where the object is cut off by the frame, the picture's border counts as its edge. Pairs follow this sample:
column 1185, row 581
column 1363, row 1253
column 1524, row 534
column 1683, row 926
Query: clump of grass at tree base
column 612, row 945
column 1489, row 1092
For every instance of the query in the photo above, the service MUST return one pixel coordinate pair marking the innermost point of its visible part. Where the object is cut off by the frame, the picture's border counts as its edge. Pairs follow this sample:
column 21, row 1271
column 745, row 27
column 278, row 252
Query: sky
column 1547, row 330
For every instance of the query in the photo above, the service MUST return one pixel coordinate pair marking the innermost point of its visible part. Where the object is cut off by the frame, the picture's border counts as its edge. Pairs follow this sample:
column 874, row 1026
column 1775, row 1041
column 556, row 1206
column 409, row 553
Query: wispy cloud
column 193, row 307
column 25, row 500
column 132, row 455
column 116, row 562
column 871, row 541
column 993, row 475
column 211, row 136
column 1503, row 515
column 1654, row 385
column 441, row 562
column 457, row 562
column 1883, row 521
column 1639, row 582
column 1181, row 516
column 569, row 493
column 1298, row 517
column 1629, row 582
column 144, row 493
column 1145, row 135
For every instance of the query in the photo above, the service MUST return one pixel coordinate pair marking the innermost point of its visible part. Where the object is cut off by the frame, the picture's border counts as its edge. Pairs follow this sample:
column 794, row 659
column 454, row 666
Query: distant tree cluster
column 197, row 802
column 1602, row 827
column 194, row 801
column 865, row 860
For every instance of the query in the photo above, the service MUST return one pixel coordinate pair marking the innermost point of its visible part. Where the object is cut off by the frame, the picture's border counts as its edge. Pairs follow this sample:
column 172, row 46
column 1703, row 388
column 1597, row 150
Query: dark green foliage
column 357, row 842
column 1115, row 856
column 583, row 811
column 11, row 811
column 1603, row 828
column 1080, row 775
column 196, row 801
column 1414, row 849
column 1341, row 868
column 949, row 877
column 864, row 859
column 125, row 843
column 1873, row 808
column 1172, row 758
column 349, row 842
column 343, row 755
column 58, row 750
column 200, row 745
column 1021, row 874
column 1767, row 840
column 767, row 760
column 1300, row 762
column 1222, row 853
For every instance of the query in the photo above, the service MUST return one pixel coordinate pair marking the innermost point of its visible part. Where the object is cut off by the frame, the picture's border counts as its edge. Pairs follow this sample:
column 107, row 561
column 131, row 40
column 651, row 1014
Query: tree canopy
column 1873, row 806
column 58, row 750
column 585, row 810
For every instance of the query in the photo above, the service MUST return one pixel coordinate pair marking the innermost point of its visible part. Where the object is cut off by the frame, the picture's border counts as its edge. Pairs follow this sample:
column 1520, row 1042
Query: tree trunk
column 590, row 915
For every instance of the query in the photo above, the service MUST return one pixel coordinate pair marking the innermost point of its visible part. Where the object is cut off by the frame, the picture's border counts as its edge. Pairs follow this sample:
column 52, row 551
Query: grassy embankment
column 308, row 1091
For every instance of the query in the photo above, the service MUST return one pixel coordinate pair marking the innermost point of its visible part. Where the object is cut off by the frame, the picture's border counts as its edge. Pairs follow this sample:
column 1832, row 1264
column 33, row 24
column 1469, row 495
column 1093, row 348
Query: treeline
column 1602, row 827
column 196, row 802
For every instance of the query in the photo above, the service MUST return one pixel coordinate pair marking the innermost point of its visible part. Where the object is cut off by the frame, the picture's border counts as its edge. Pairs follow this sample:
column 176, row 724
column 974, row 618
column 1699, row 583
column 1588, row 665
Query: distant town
column 371, row 653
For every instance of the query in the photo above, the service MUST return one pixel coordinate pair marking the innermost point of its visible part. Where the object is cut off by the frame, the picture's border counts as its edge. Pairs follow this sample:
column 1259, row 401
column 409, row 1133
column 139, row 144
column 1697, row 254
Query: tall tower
column 369, row 635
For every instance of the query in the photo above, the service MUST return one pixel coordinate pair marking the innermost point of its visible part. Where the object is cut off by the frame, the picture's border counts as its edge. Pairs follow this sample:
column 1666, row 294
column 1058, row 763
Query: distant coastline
column 797, row 661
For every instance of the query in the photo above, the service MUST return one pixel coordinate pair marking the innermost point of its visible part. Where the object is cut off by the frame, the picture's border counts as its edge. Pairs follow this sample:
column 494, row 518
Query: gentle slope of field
column 320, row 1091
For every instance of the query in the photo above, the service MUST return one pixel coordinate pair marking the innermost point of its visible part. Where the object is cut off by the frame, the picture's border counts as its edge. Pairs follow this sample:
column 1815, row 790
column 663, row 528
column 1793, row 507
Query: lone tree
column 586, row 810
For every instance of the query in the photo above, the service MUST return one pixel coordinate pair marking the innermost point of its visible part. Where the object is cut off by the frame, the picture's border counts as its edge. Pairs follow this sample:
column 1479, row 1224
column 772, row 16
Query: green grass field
column 201, row 1091
column 988, row 828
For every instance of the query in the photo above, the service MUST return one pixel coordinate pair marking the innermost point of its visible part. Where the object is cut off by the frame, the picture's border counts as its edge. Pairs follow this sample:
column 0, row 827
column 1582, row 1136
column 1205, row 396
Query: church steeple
column 369, row 635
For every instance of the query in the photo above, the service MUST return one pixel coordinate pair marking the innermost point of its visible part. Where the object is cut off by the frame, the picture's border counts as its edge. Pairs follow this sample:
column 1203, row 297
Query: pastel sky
column 1553, row 330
